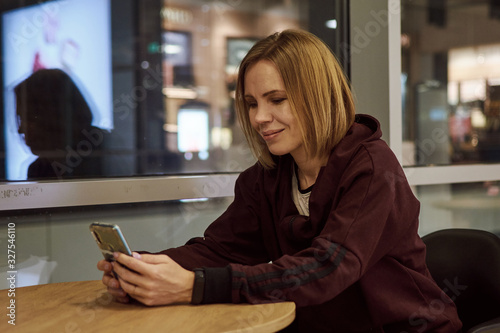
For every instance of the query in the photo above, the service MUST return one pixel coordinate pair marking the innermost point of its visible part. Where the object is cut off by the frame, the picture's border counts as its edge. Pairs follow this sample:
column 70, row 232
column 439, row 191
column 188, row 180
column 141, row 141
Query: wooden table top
column 85, row 306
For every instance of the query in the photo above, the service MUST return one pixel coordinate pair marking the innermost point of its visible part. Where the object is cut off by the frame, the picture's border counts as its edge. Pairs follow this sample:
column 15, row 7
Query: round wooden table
column 85, row 306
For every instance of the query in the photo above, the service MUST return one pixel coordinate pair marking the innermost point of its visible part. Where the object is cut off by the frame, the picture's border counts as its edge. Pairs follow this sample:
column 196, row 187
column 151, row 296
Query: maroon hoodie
column 356, row 264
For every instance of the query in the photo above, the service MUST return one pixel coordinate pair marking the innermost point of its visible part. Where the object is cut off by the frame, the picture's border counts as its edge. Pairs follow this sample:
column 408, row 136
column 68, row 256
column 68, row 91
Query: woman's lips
column 271, row 134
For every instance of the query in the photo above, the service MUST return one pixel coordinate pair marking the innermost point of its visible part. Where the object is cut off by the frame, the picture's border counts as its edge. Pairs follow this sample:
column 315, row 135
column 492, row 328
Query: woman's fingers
column 150, row 279
column 125, row 274
column 104, row 266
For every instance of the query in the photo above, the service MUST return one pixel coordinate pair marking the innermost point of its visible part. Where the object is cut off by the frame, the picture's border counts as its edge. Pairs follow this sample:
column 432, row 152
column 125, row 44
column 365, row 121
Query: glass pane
column 44, row 254
column 468, row 205
column 145, row 89
column 451, row 81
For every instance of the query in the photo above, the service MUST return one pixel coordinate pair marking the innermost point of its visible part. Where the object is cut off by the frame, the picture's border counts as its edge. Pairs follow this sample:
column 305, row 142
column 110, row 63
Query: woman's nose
column 263, row 114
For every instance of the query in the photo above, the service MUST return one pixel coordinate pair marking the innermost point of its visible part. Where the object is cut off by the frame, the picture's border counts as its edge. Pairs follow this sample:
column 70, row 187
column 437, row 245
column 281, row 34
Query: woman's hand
column 151, row 279
column 109, row 280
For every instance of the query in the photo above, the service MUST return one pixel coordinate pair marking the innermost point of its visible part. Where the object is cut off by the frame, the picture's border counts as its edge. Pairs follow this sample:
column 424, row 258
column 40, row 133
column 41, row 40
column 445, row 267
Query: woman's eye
column 278, row 100
column 251, row 105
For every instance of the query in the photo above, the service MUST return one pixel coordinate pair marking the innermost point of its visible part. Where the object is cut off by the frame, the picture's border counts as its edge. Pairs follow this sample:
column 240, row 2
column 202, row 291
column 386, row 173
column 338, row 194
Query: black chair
column 465, row 263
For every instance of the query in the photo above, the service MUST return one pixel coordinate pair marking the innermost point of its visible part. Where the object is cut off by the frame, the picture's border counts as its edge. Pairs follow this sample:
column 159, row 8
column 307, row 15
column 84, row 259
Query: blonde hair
column 318, row 92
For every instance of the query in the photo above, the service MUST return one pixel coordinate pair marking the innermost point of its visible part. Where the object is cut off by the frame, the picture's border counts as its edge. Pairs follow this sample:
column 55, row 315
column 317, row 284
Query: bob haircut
column 318, row 92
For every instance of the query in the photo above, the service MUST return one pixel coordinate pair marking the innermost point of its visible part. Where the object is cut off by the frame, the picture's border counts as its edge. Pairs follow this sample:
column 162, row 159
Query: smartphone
column 110, row 239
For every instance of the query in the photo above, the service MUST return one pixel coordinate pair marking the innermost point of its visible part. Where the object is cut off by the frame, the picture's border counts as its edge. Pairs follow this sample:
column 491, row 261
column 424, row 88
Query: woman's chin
column 278, row 152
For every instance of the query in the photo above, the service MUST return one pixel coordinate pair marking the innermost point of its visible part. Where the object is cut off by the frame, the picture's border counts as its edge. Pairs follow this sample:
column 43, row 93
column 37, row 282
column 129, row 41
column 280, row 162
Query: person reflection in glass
column 56, row 122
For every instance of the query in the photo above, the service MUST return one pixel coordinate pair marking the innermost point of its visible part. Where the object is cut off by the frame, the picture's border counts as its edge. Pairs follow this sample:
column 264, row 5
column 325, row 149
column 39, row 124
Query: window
column 460, row 205
column 159, row 83
column 451, row 111
column 451, row 100
column 403, row 70
column 158, row 77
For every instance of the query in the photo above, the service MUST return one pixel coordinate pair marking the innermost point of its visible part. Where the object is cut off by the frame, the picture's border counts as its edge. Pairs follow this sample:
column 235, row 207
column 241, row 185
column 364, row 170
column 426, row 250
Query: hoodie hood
column 365, row 131
column 370, row 122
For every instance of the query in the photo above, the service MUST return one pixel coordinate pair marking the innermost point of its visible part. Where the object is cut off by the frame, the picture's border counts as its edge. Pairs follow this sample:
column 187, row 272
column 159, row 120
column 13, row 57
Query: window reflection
column 55, row 122
column 43, row 37
column 465, row 205
column 165, row 101
column 451, row 91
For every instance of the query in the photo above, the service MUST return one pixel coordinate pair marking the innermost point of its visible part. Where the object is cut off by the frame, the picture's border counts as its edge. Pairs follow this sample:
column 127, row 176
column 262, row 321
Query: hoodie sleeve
column 234, row 237
column 372, row 209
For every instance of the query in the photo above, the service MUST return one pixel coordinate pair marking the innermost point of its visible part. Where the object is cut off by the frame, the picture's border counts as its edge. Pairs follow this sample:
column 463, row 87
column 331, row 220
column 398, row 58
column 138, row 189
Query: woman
column 325, row 218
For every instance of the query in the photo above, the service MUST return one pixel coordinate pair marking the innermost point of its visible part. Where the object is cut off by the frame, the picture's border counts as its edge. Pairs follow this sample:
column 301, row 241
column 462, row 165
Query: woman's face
column 269, row 110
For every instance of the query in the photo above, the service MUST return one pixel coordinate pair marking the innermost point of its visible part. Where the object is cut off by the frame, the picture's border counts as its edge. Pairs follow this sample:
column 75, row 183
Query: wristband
column 198, row 286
